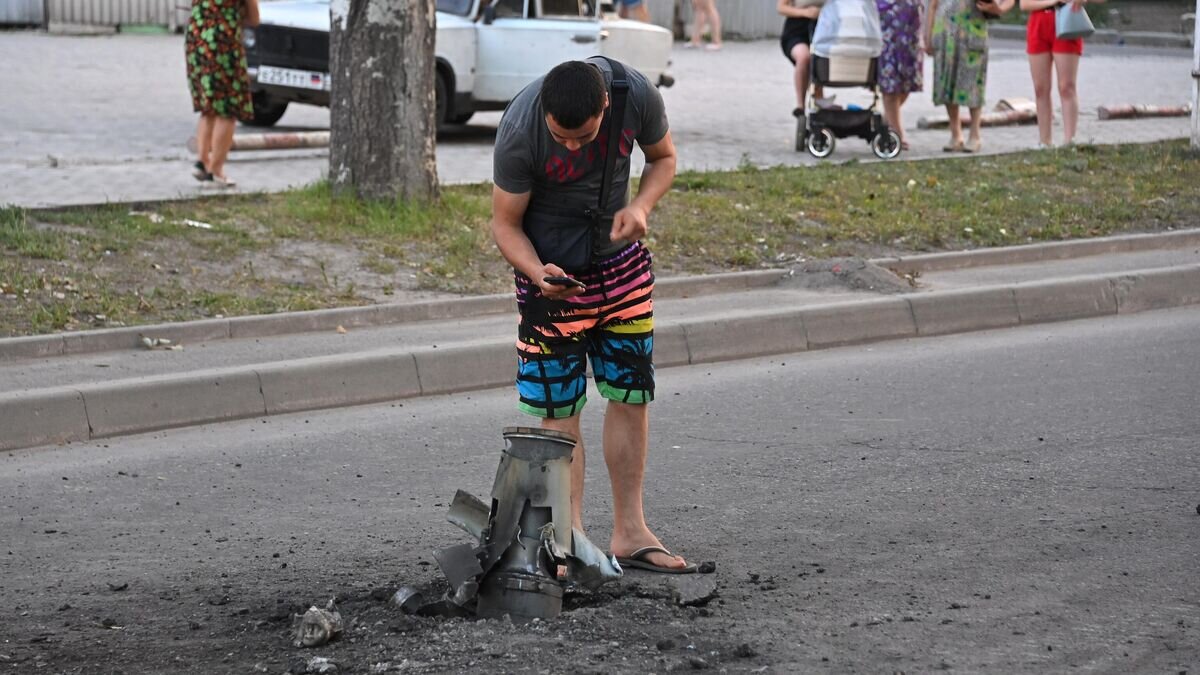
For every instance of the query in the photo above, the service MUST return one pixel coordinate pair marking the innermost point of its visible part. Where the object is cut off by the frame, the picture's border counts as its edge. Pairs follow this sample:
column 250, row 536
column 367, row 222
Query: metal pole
column 1196, row 80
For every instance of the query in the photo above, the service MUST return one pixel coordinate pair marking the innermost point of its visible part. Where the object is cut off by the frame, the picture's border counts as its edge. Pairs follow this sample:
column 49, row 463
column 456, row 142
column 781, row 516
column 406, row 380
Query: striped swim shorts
column 611, row 324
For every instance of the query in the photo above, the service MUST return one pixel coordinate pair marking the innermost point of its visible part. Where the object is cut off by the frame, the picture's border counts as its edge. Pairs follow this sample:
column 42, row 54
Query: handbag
column 570, row 238
column 1069, row 24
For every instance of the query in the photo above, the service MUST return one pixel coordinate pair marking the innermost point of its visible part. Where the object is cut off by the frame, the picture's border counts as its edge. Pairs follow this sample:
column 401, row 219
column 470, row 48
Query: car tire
column 463, row 118
column 439, row 100
column 267, row 110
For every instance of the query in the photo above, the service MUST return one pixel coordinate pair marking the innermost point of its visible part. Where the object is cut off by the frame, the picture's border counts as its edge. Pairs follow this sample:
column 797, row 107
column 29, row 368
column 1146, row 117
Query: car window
column 459, row 7
column 510, row 8
column 561, row 8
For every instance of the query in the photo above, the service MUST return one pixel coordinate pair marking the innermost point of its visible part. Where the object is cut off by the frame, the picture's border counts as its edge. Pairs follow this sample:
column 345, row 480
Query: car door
column 527, row 39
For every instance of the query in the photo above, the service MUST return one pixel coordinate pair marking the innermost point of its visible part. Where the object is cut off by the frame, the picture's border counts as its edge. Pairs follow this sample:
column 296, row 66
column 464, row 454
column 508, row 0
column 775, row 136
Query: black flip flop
column 637, row 560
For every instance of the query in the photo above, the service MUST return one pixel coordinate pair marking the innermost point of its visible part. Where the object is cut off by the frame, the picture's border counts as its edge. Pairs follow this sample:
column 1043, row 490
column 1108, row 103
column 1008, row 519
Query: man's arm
column 630, row 223
column 508, row 211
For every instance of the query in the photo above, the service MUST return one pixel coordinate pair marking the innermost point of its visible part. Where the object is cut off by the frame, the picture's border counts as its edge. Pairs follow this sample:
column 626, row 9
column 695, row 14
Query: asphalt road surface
column 1012, row 501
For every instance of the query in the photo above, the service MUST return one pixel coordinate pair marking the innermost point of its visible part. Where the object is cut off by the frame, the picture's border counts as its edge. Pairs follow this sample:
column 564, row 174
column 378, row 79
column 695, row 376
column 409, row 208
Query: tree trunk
column 382, row 127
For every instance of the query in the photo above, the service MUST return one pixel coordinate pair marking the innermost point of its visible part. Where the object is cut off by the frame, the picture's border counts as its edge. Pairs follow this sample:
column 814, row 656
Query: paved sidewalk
column 87, row 127
column 90, row 395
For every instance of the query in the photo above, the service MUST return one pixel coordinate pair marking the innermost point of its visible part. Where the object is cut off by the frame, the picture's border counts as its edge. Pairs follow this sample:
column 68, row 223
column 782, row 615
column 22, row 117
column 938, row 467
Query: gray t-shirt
column 527, row 159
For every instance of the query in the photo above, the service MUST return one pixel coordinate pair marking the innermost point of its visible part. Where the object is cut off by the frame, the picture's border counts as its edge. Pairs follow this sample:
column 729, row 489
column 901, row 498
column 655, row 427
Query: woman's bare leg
column 976, row 126
column 222, row 140
column 1066, row 68
column 956, row 138
column 800, row 55
column 1040, row 69
column 204, row 131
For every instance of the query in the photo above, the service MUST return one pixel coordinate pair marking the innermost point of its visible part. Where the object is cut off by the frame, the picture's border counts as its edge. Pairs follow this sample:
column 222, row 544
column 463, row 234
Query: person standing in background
column 796, row 41
column 705, row 11
column 901, row 63
column 217, row 78
column 1050, row 55
column 956, row 36
column 633, row 9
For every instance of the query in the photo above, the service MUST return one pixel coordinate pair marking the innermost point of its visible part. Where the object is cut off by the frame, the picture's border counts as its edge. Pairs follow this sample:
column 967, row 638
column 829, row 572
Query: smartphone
column 564, row 281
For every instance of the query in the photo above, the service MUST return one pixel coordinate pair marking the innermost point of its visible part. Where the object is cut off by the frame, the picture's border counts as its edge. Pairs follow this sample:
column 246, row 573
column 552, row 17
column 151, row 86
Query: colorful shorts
column 1040, row 36
column 611, row 324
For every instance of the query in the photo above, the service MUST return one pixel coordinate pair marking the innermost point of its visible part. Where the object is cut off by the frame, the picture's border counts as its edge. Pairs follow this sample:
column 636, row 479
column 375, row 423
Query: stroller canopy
column 848, row 28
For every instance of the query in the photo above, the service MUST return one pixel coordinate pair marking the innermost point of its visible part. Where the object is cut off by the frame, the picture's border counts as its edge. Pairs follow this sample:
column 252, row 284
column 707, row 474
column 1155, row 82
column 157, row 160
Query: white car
column 485, row 52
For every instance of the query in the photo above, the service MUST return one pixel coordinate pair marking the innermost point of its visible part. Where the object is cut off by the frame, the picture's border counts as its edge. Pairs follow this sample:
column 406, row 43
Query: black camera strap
column 615, row 126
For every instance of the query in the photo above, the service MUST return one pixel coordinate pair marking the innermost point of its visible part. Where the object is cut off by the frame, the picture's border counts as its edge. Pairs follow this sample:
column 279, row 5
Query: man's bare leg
column 570, row 425
column 626, row 432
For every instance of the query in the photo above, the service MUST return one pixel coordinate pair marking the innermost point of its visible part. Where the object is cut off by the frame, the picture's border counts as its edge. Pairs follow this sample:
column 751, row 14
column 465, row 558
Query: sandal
column 637, row 560
column 972, row 147
column 953, row 147
column 200, row 173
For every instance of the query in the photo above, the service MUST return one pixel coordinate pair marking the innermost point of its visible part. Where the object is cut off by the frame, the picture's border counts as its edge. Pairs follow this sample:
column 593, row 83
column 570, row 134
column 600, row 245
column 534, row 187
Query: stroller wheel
column 820, row 143
column 886, row 146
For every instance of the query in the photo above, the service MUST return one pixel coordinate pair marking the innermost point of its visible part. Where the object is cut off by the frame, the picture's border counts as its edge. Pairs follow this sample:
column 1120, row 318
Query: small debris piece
column 196, row 223
column 341, row 330
column 744, row 651
column 665, row 645
column 320, row 664
column 707, row 567
column 694, row 590
column 116, row 588
column 408, row 599
column 697, row 663
column 317, row 627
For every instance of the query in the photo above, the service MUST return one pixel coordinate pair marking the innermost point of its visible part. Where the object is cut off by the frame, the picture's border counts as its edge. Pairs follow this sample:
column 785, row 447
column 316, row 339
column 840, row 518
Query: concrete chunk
column 963, row 310
column 855, row 322
column 443, row 371
column 148, row 403
column 1157, row 289
column 1065, row 299
column 745, row 336
column 328, row 381
column 29, row 418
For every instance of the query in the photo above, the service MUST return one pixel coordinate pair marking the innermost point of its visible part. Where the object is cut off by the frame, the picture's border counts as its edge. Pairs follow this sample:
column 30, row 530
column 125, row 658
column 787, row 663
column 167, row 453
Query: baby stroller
column 845, row 53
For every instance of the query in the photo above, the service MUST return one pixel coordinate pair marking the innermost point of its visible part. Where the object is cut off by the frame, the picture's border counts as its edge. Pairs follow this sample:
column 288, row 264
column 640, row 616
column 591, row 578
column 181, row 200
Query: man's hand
column 629, row 224
column 554, row 291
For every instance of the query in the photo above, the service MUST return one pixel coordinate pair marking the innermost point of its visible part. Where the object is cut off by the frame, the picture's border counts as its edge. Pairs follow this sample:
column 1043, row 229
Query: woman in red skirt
column 1049, row 55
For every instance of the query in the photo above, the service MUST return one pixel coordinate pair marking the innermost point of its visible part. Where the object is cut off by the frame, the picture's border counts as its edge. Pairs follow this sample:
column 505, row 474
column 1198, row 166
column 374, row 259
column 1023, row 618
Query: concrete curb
column 1031, row 253
column 1105, row 36
column 86, row 342
column 266, row 325
column 135, row 405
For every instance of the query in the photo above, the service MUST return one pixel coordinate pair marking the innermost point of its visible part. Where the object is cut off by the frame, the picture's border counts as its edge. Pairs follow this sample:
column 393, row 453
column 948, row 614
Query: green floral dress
column 216, row 59
column 960, row 47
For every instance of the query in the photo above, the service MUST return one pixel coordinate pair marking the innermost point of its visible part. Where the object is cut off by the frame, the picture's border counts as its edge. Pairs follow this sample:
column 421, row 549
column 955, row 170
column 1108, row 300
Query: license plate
column 287, row 77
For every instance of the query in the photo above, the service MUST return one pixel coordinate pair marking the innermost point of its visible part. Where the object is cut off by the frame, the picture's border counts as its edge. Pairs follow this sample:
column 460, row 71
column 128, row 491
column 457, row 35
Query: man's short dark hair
column 573, row 92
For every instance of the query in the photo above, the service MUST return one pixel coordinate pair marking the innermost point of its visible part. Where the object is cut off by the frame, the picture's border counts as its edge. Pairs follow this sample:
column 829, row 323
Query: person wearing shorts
column 796, row 41
column 1049, row 56
column 549, row 158
column 633, row 9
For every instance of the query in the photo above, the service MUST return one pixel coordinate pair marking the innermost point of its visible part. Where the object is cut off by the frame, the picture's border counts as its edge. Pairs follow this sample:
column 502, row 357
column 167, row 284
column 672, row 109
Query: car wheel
column 267, row 110
column 463, row 118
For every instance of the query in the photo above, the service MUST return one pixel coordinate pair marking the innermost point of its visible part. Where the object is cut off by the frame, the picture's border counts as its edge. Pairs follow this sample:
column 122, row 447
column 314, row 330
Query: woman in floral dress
column 900, row 64
column 216, row 69
column 956, row 36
